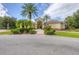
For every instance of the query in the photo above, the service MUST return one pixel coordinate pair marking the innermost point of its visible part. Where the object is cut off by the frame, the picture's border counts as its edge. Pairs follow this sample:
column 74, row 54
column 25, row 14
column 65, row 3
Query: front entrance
column 39, row 24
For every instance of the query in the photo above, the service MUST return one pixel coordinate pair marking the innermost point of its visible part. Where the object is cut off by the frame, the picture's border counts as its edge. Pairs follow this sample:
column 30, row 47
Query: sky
column 57, row 11
column 14, row 9
column 61, row 10
column 2, row 10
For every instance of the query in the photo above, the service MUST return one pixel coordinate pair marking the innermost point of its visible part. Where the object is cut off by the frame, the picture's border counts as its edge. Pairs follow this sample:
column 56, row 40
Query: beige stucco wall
column 57, row 26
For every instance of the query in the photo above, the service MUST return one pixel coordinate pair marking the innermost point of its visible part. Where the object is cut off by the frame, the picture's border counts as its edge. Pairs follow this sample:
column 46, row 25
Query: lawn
column 59, row 33
column 68, row 34
column 6, row 32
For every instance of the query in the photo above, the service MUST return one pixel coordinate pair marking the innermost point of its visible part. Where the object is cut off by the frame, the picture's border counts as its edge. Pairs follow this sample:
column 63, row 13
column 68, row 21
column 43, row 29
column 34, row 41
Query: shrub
column 27, row 30
column 15, row 31
column 49, row 31
column 47, row 27
column 22, row 30
column 18, row 31
column 32, row 32
column 23, row 26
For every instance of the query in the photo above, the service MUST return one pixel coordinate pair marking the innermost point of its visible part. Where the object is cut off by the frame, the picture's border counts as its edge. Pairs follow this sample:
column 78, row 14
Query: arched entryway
column 39, row 24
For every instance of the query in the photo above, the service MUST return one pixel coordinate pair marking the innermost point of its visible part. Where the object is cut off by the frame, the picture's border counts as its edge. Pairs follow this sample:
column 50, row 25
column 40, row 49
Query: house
column 57, row 25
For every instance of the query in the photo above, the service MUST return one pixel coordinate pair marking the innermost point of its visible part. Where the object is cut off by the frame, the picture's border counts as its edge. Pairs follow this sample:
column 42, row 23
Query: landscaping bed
column 49, row 31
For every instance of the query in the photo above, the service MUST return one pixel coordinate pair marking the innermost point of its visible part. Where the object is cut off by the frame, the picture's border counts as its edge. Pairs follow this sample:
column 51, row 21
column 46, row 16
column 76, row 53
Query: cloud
column 3, row 11
column 61, row 10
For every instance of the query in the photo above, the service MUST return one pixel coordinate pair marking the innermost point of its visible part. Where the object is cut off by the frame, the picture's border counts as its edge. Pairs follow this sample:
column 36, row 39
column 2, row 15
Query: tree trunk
column 7, row 25
column 30, row 16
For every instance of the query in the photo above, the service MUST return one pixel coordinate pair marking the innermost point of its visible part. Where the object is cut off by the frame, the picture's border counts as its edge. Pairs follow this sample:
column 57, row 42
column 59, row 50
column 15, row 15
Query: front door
column 39, row 24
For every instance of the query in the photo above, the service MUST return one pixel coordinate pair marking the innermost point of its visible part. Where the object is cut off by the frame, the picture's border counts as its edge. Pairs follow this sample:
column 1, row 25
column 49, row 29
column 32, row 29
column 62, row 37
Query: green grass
column 68, row 34
column 7, row 32
column 65, row 34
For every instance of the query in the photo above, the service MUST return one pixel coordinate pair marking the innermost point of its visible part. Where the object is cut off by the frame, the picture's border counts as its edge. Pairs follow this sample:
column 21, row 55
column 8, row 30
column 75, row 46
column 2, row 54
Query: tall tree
column 69, row 22
column 6, row 22
column 29, row 10
column 9, row 22
column 1, row 23
column 46, row 17
column 76, row 18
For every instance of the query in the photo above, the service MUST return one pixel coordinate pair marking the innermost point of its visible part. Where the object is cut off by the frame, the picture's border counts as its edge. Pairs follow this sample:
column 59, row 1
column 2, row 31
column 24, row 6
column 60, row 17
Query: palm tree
column 29, row 9
column 46, row 17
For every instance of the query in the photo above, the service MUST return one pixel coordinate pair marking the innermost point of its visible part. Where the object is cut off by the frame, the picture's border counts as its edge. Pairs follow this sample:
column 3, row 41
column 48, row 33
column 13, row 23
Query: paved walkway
column 38, row 44
column 40, row 32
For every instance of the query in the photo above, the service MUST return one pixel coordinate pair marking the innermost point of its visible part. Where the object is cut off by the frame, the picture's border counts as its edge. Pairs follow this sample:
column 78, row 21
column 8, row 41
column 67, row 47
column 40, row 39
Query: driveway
column 38, row 45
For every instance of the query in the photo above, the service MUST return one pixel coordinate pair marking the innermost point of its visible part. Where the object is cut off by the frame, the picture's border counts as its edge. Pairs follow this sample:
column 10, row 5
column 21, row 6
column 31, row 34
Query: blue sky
column 57, row 11
column 14, row 9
